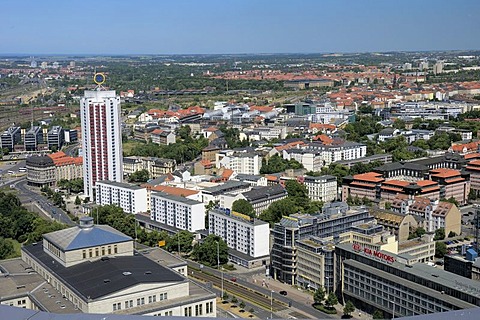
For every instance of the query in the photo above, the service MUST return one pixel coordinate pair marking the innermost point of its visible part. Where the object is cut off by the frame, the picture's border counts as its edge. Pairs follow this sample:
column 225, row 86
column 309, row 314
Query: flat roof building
column 95, row 268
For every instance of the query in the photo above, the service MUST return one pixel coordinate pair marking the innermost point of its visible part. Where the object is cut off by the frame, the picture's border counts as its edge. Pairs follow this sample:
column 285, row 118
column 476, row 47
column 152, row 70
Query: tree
column 182, row 240
column 225, row 296
column 440, row 249
column 242, row 305
column 78, row 201
column 6, row 248
column 377, row 314
column 278, row 209
column 139, row 176
column 244, row 207
column 349, row 308
column 331, row 300
column 251, row 310
column 452, row 234
column 319, row 295
column 295, row 189
column 388, row 205
column 234, row 299
column 439, row 234
column 206, row 252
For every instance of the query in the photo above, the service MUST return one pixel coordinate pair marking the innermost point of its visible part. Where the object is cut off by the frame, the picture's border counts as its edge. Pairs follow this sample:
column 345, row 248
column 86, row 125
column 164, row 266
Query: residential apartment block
column 129, row 197
column 178, row 212
column 239, row 162
column 314, row 156
column 321, row 188
column 248, row 238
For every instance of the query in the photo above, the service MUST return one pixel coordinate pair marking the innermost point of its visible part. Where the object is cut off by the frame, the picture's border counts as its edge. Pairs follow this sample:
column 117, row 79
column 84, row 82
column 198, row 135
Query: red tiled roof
column 400, row 183
column 444, row 173
column 174, row 191
column 369, row 176
column 424, row 183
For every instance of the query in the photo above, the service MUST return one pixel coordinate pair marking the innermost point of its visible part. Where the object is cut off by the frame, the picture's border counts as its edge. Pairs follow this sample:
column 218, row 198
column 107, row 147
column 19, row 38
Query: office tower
column 10, row 137
column 101, row 138
column 55, row 138
column 33, row 137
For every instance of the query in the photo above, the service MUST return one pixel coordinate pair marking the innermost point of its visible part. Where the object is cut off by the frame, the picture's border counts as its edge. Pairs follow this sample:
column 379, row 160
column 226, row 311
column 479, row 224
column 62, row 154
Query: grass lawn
column 129, row 145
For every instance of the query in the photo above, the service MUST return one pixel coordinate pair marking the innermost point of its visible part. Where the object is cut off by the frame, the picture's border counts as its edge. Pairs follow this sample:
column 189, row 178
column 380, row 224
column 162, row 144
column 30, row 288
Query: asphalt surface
column 44, row 203
column 280, row 302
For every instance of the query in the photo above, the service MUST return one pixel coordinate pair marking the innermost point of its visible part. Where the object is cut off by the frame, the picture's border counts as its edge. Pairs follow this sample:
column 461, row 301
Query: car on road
column 283, row 293
column 233, row 279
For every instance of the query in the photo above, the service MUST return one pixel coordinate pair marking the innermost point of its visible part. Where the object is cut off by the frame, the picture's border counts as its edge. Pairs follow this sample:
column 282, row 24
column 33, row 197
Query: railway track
column 239, row 291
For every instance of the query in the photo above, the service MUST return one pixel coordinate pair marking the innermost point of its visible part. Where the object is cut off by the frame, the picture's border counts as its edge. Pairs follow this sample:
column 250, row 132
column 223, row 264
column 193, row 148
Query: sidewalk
column 300, row 295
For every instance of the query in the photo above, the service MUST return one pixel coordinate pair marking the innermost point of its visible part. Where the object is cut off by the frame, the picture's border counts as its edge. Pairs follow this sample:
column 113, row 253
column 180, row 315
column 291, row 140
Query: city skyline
column 219, row 27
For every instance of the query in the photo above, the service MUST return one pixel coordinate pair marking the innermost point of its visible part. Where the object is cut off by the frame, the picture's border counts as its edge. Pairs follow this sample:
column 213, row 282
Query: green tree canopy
column 349, row 308
column 206, row 252
column 184, row 238
column 439, row 234
column 139, row 176
column 440, row 249
column 319, row 295
column 6, row 248
column 331, row 300
column 244, row 207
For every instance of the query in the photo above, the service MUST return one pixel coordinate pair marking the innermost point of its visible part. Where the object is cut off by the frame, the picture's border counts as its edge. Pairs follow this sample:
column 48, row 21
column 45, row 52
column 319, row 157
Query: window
column 117, row 306
column 115, row 249
column 96, row 252
column 84, row 252
column 90, row 253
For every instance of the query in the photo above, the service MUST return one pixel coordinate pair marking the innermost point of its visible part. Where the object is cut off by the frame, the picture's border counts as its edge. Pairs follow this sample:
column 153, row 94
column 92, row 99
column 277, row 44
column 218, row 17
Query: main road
column 253, row 293
column 44, row 203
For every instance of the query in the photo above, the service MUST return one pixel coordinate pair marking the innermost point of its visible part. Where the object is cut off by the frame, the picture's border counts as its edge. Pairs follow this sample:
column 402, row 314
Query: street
column 297, row 302
column 53, row 211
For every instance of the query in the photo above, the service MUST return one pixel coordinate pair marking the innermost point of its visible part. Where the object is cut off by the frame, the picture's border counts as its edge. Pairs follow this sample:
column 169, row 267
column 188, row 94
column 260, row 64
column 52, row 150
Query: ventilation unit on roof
column 127, row 273
column 106, row 280
column 148, row 272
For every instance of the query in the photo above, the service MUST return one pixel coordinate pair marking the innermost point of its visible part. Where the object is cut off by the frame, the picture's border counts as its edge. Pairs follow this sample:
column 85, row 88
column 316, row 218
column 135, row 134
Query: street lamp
column 271, row 304
column 393, row 310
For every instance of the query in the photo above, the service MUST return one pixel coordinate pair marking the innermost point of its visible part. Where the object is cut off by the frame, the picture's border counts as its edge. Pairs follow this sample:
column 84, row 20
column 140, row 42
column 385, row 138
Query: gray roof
column 77, row 238
column 260, row 193
column 120, row 184
column 227, row 186
column 96, row 279
column 175, row 198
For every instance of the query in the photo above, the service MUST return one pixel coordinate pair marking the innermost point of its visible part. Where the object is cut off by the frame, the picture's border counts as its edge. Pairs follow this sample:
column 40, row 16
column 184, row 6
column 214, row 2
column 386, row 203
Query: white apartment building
column 178, row 212
column 101, row 138
column 129, row 197
column 241, row 233
column 321, row 188
column 239, row 162
column 315, row 156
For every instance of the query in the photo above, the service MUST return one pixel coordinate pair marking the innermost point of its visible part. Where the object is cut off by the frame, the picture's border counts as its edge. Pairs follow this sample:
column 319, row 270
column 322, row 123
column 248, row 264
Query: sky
column 236, row 26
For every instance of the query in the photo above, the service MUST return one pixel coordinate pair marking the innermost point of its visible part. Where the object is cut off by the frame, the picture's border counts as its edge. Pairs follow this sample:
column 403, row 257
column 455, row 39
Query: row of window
column 103, row 252
column 140, row 301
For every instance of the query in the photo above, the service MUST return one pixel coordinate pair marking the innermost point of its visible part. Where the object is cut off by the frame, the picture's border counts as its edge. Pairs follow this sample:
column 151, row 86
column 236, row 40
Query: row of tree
column 204, row 252
column 19, row 224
